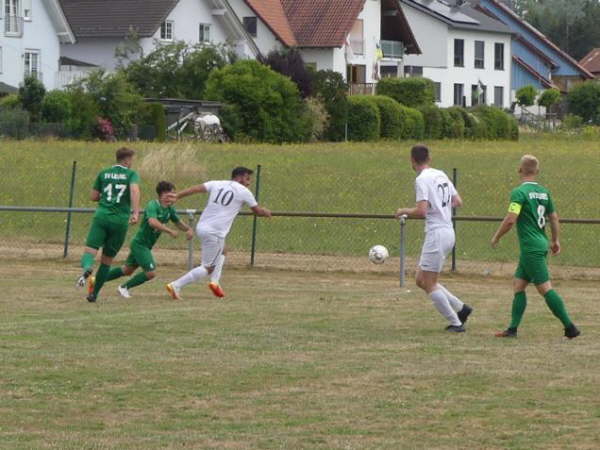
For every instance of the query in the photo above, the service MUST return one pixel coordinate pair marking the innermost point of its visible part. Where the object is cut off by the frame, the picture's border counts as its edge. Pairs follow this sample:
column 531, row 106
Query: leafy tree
column 56, row 107
column 330, row 87
column 526, row 95
column 549, row 98
column 84, row 113
column 289, row 62
column 584, row 101
column 31, row 94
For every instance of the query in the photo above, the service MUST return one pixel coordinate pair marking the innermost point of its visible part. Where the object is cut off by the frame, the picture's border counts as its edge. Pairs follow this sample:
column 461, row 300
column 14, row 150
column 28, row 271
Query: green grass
column 289, row 360
column 343, row 178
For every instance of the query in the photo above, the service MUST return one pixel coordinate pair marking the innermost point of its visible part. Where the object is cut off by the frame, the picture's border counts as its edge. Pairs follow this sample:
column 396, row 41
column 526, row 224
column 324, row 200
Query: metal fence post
column 190, row 213
column 402, row 249
column 255, row 219
column 454, row 181
column 68, row 227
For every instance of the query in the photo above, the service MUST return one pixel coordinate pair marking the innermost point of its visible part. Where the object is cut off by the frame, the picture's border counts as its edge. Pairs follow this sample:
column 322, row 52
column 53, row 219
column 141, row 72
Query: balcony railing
column 392, row 49
column 362, row 89
column 13, row 26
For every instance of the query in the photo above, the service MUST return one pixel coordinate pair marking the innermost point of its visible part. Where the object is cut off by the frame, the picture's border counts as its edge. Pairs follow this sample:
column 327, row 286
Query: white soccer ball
column 378, row 254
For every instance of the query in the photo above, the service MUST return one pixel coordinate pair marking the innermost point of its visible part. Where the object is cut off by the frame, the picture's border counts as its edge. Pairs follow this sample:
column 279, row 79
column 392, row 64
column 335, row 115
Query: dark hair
column 164, row 186
column 241, row 171
column 124, row 153
column 420, row 153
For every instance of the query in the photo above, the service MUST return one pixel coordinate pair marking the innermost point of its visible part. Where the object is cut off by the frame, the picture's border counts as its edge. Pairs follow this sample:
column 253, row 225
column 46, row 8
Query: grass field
column 289, row 360
column 344, row 178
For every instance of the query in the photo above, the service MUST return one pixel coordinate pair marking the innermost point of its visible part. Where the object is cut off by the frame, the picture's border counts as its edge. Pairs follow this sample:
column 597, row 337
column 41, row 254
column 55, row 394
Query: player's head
column 529, row 167
column 166, row 192
column 419, row 156
column 242, row 175
column 125, row 156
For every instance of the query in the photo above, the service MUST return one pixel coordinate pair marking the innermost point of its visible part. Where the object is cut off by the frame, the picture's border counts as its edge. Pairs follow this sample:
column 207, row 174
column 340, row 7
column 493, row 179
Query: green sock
column 518, row 309
column 557, row 306
column 87, row 262
column 140, row 278
column 114, row 274
column 101, row 275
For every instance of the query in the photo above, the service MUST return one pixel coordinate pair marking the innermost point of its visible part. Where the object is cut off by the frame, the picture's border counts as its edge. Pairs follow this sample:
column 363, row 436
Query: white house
column 101, row 26
column 465, row 52
column 30, row 36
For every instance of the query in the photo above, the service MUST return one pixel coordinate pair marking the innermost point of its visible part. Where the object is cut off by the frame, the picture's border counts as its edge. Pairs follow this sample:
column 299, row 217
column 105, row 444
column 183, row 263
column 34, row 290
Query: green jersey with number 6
column 115, row 196
column 532, row 203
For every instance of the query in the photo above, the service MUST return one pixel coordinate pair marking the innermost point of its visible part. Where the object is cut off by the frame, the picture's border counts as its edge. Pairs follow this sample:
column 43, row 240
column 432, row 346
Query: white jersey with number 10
column 435, row 187
column 225, row 200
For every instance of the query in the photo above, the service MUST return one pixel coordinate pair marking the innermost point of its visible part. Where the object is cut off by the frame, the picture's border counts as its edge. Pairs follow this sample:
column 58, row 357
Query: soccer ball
column 378, row 254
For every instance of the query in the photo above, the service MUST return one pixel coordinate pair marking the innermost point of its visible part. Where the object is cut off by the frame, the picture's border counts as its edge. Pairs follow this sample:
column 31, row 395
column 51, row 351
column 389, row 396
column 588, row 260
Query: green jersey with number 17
column 115, row 195
column 533, row 203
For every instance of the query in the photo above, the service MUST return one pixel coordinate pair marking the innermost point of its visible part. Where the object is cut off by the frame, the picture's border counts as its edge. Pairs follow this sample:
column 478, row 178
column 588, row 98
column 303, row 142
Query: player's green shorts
column 108, row 234
column 141, row 256
column 533, row 268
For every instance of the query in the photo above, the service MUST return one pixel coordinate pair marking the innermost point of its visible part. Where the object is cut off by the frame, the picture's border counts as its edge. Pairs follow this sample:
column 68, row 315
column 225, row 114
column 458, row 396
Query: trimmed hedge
column 434, row 121
column 364, row 119
column 414, row 123
column 391, row 120
column 498, row 124
column 454, row 124
column 411, row 92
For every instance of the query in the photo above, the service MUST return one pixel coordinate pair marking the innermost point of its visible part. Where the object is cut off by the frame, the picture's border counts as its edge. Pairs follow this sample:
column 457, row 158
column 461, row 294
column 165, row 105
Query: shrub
column 320, row 118
column 526, row 95
column 434, row 122
column 497, row 122
column 413, row 123
column 263, row 104
column 56, row 107
column 14, row 123
column 153, row 121
column 454, row 123
column 289, row 62
column 549, row 98
column 390, row 113
column 84, row 112
column 331, row 88
column 572, row 122
column 514, row 128
column 364, row 120
column 584, row 101
column 411, row 92
column 31, row 94
column 10, row 101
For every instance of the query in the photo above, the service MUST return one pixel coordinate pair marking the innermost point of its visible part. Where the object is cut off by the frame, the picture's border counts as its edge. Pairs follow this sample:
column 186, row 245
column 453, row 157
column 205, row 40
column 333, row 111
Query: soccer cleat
column 91, row 282
column 572, row 331
column 173, row 291
column 464, row 313
column 83, row 278
column 216, row 289
column 91, row 298
column 124, row 292
column 455, row 328
column 508, row 333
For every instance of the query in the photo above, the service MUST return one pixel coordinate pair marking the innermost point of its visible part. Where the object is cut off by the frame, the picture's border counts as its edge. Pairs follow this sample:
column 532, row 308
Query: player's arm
column 159, row 226
column 260, row 211
column 95, row 195
column 135, row 203
column 198, row 189
column 418, row 212
column 509, row 221
column 189, row 233
column 555, row 231
column 457, row 201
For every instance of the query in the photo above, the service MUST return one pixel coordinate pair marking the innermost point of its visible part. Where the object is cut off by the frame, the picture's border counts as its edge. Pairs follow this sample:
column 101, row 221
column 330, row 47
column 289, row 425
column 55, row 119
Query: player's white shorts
column 212, row 247
column 438, row 244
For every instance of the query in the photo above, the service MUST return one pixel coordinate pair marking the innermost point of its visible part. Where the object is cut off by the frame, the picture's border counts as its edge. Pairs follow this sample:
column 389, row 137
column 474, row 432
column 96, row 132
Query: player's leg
column 95, row 239
column 519, row 304
column 463, row 311
column 215, row 275
column 210, row 250
column 116, row 233
column 143, row 256
column 428, row 281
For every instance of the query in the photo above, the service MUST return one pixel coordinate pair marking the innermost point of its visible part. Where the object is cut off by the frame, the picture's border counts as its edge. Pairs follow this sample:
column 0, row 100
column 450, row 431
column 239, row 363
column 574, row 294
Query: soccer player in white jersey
column 435, row 198
column 225, row 200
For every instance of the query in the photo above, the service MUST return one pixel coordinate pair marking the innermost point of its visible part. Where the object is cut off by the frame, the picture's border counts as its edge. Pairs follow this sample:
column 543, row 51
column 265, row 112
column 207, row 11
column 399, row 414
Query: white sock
column 192, row 276
column 454, row 301
column 215, row 276
column 443, row 306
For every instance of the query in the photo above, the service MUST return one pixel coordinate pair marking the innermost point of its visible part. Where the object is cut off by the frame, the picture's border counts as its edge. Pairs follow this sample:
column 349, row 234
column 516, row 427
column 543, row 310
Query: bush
column 289, row 62
column 364, row 120
column 31, row 94
column 514, row 128
column 413, row 92
column 413, row 123
column 330, row 87
column 320, row 118
column 434, row 122
column 84, row 111
column 497, row 123
column 56, row 107
column 263, row 104
column 454, row 123
column 10, row 101
column 390, row 113
column 549, row 98
column 584, row 101
column 572, row 122
column 14, row 123
column 153, row 122
column 526, row 95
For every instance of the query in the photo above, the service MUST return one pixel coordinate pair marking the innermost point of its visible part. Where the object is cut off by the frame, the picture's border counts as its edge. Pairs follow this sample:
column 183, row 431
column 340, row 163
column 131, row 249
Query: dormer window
column 166, row 30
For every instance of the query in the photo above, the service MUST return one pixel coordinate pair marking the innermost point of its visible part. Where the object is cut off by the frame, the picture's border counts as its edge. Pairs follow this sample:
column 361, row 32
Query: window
column 13, row 22
column 166, row 30
column 357, row 41
column 459, row 53
column 499, row 96
column 27, row 9
column 413, row 71
column 499, row 56
column 478, row 94
column 250, row 25
column 479, row 54
column 459, row 94
column 32, row 64
column 438, row 92
column 204, row 33
column 388, row 71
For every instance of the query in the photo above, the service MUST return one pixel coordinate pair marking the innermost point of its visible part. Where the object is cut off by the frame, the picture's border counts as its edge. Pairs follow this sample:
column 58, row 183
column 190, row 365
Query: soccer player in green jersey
column 157, row 214
column 530, row 208
column 117, row 192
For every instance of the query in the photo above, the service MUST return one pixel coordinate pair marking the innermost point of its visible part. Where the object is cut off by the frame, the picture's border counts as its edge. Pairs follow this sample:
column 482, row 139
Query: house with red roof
column 591, row 62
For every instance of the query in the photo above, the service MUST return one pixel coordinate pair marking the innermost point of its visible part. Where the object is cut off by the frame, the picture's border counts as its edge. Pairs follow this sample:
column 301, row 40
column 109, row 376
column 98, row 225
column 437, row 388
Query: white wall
column 38, row 34
column 98, row 51
column 265, row 40
column 371, row 16
column 429, row 33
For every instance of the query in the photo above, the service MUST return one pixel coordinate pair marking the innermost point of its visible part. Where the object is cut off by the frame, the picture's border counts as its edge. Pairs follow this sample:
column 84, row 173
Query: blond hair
column 530, row 165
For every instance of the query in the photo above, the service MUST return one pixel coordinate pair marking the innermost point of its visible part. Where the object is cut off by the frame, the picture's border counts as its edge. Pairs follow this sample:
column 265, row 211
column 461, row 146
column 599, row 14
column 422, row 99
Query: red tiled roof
column 591, row 61
column 272, row 14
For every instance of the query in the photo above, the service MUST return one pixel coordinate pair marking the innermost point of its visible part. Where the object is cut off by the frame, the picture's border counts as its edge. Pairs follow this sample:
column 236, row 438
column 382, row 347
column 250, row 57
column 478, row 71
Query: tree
column 56, row 107
column 31, row 94
column 332, row 90
column 289, row 62
column 549, row 98
column 526, row 95
column 584, row 101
